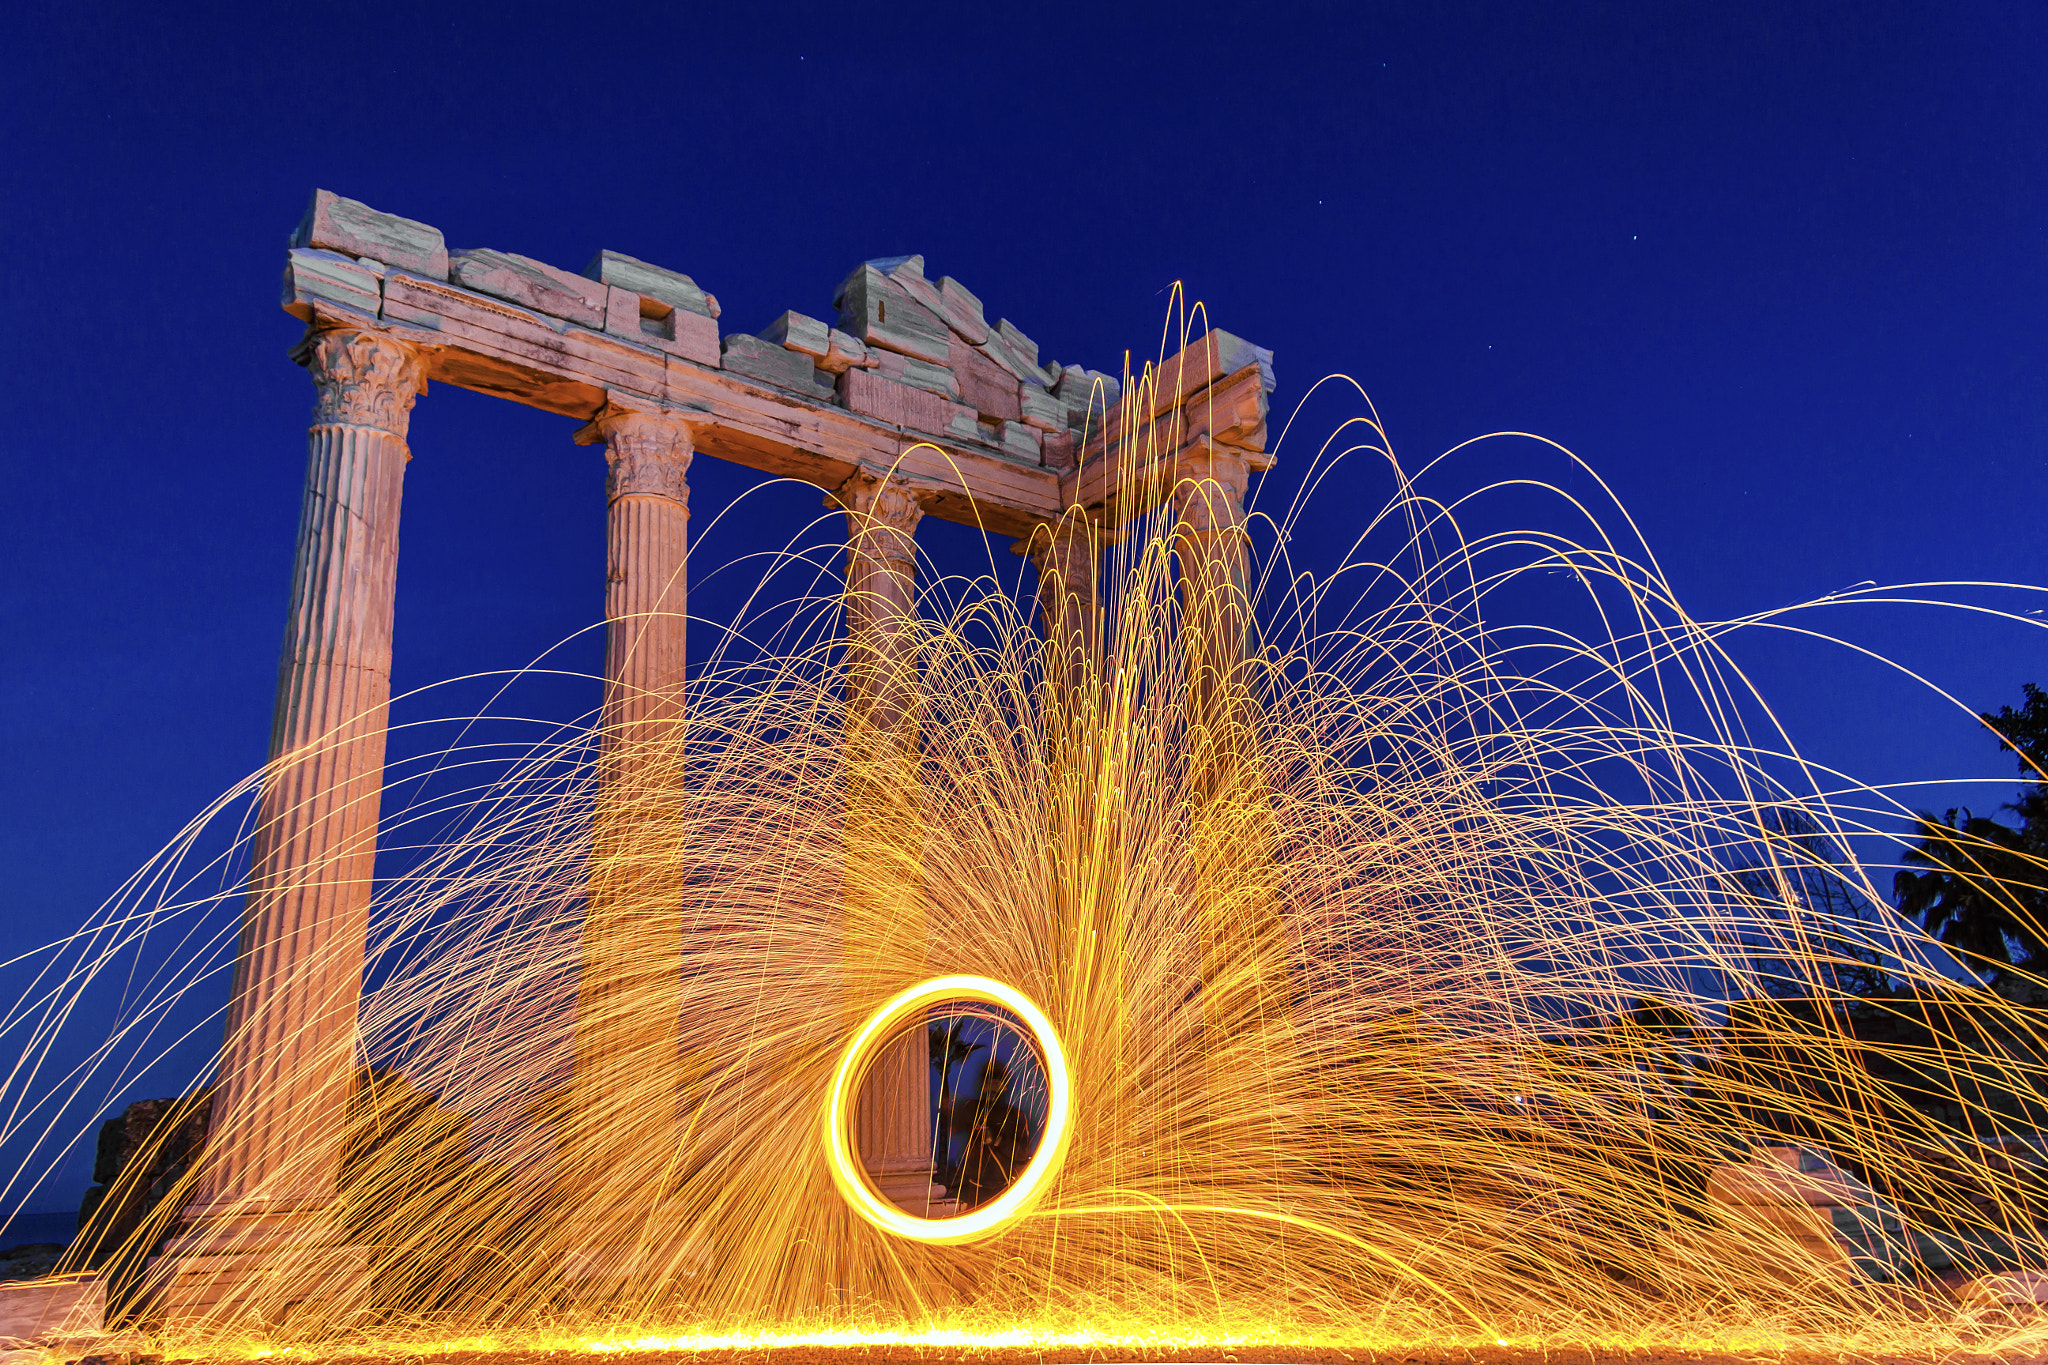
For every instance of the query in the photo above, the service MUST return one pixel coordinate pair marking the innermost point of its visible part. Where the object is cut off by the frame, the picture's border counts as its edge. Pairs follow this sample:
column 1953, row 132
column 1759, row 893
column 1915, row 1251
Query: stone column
column 618, row 1140
column 261, row 1233
column 1085, row 853
column 885, row 916
column 1069, row 559
column 1243, row 946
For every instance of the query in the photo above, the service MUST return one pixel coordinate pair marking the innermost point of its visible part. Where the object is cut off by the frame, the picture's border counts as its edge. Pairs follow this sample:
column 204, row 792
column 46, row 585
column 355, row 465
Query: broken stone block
column 919, row 374
column 795, row 332
column 962, row 310
column 652, row 322
column 54, row 1307
column 1797, row 1194
column 1058, row 450
column 671, row 287
column 531, row 284
column 999, row 349
column 908, row 276
column 880, row 313
column 329, row 277
column 846, row 353
column 1021, row 441
column 2012, row 1287
column 333, row 223
column 931, row 412
column 965, row 427
column 771, row 364
column 1083, row 391
column 985, row 386
column 1041, row 409
column 1018, row 342
column 1234, row 353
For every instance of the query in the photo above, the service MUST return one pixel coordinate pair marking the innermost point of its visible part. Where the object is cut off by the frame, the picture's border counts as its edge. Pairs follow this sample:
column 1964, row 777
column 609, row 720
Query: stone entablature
column 911, row 376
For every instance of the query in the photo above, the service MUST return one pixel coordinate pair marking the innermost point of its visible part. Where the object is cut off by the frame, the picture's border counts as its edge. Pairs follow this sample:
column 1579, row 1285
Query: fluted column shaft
column 885, row 913
column 1243, row 946
column 629, row 991
column 1069, row 562
column 1084, row 825
column 274, row 1145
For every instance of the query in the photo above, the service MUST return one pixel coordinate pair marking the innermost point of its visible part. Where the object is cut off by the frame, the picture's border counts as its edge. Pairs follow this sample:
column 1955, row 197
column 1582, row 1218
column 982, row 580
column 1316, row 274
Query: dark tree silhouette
column 1981, row 893
column 1985, row 890
column 2025, row 732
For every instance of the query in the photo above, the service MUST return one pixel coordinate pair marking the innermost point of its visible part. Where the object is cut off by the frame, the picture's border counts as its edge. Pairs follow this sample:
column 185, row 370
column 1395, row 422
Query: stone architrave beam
column 963, row 409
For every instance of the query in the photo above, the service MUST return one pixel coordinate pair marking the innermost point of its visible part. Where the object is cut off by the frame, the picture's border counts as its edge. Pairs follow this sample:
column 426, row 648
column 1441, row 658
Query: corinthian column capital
column 646, row 452
column 1066, row 555
column 364, row 379
column 1213, row 480
column 882, row 513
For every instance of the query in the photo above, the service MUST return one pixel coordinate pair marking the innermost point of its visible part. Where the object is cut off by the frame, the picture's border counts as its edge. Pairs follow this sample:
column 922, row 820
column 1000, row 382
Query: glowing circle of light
column 1024, row 1192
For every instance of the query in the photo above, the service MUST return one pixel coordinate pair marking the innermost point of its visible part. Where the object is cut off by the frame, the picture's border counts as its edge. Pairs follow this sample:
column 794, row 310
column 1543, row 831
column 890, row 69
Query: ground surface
column 933, row 1355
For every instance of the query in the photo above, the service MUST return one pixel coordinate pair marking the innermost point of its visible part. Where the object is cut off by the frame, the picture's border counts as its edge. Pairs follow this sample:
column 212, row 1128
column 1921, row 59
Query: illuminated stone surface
column 290, row 1036
column 933, row 411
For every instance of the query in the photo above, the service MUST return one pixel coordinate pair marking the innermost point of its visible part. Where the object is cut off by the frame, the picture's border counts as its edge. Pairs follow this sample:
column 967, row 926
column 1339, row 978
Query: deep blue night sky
column 1778, row 271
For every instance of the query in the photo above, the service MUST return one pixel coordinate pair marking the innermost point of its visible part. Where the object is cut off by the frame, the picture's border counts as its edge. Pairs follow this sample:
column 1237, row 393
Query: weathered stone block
column 873, row 396
column 329, row 277
column 881, row 314
column 333, row 223
column 1041, row 409
column 909, row 277
column 693, row 336
column 999, row 349
column 1059, row 450
column 886, row 400
column 1018, row 342
column 675, row 289
column 531, row 284
column 985, row 386
column 961, row 310
column 1021, row 441
column 771, row 364
column 919, row 374
column 1234, row 353
column 795, row 332
column 846, row 353
column 1085, row 390
column 932, row 412
column 964, row 427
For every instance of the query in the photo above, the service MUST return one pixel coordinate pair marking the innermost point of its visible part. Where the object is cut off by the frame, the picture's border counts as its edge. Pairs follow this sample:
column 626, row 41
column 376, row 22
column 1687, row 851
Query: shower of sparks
column 1393, row 969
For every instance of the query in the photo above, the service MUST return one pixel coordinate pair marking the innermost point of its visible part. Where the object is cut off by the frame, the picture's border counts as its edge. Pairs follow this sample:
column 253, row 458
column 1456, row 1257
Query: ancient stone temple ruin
column 908, row 403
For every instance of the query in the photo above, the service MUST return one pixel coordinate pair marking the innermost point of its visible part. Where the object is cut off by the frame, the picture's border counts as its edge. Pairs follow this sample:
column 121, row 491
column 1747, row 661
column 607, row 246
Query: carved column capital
column 887, row 498
column 1213, row 480
column 1067, row 555
column 363, row 378
column 645, row 452
column 882, row 513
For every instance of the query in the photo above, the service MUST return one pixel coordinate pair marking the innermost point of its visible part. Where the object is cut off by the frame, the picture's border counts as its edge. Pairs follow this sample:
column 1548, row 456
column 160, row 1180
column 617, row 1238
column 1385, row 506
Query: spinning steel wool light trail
column 1415, row 977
